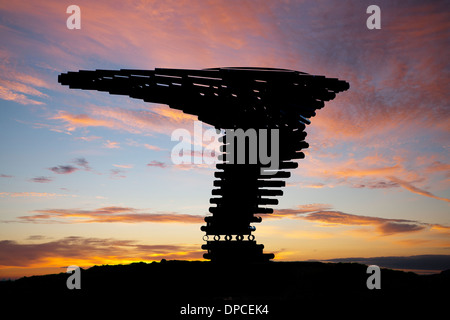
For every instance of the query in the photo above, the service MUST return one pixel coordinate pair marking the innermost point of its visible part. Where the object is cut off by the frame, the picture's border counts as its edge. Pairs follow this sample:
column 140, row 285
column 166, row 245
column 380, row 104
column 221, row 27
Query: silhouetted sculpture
column 231, row 98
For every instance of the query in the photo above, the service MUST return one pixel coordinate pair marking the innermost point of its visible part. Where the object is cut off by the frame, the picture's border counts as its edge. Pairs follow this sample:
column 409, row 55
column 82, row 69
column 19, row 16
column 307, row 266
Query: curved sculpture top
column 222, row 97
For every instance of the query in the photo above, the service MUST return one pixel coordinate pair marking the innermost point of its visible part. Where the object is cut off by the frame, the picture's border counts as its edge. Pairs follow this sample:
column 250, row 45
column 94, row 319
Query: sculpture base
column 236, row 251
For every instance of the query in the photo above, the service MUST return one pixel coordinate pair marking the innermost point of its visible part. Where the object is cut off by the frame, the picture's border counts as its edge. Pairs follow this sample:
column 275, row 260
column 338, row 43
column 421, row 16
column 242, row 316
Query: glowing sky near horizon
column 86, row 178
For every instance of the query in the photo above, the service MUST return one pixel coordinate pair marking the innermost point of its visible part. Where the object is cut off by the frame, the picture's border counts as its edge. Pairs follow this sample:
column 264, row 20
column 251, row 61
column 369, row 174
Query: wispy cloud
column 117, row 174
column 408, row 186
column 82, row 162
column 324, row 214
column 37, row 237
column 33, row 194
column 63, row 169
column 438, row 166
column 74, row 121
column 88, row 138
column 317, row 185
column 111, row 144
column 108, row 214
column 154, row 119
column 41, row 179
column 158, row 164
column 7, row 94
column 19, row 87
column 135, row 143
column 124, row 166
column 152, row 147
column 6, row 176
column 374, row 172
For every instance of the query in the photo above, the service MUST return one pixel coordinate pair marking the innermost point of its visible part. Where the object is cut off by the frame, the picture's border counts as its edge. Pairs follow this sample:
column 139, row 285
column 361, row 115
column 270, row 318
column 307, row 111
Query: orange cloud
column 17, row 86
column 149, row 120
column 352, row 172
column 88, row 251
column 321, row 213
column 155, row 119
column 315, row 185
column 7, row 94
column 108, row 214
column 80, row 120
column 173, row 114
column 301, row 209
column 22, row 88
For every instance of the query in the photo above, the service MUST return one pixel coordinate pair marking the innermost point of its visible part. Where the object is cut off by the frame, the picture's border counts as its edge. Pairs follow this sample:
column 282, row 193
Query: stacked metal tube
column 231, row 98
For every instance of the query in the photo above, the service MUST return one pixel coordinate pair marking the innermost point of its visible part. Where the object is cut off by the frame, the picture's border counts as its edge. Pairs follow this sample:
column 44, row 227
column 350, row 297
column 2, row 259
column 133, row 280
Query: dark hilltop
column 286, row 288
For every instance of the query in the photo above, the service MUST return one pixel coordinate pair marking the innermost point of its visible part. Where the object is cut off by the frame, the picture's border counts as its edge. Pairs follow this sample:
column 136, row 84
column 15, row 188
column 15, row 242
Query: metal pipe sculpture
column 260, row 99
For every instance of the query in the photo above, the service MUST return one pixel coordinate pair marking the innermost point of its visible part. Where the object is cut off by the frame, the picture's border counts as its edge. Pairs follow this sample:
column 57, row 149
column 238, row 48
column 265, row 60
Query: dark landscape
column 287, row 288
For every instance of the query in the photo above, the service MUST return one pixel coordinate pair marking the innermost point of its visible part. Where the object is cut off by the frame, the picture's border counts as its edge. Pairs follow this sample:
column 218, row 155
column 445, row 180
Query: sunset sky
column 86, row 177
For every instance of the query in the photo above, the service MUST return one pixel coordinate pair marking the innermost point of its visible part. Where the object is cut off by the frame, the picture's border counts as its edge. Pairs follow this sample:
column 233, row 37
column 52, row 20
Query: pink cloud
column 323, row 214
column 375, row 172
column 20, row 87
column 111, row 144
column 408, row 186
column 158, row 164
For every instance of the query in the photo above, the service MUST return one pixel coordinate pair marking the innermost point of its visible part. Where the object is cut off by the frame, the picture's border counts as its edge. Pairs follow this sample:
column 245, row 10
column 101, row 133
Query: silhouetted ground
column 289, row 289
